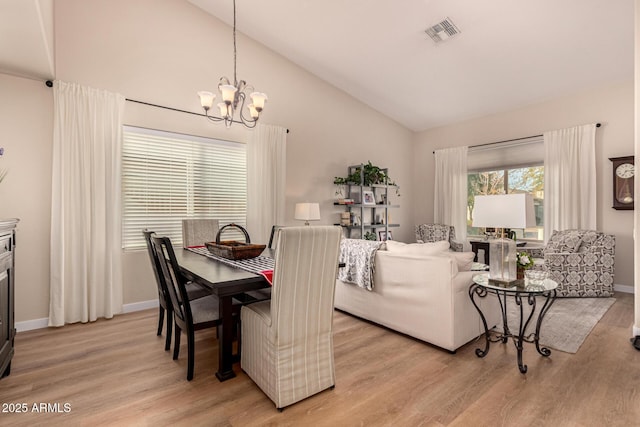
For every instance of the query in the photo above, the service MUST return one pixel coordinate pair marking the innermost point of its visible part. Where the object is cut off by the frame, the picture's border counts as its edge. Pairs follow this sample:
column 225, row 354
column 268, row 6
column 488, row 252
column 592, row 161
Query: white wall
column 26, row 128
column 163, row 53
column 611, row 105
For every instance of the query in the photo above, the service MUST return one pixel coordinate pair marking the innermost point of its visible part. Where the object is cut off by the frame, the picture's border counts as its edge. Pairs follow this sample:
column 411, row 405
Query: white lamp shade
column 307, row 211
column 504, row 211
column 228, row 93
column 224, row 109
column 258, row 99
column 252, row 110
column 206, row 99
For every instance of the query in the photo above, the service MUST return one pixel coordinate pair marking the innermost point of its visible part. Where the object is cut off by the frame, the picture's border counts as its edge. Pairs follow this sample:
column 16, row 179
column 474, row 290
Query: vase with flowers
column 524, row 262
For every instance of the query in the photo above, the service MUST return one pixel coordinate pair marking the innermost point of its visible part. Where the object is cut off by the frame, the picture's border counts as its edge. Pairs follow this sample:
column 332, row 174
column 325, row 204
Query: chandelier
column 234, row 95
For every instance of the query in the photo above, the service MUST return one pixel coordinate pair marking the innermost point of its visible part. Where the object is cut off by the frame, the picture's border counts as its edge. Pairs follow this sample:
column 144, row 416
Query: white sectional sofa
column 419, row 291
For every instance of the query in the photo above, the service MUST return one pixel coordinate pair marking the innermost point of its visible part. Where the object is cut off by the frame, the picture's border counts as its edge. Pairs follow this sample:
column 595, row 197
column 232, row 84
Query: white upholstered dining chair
column 195, row 232
column 287, row 342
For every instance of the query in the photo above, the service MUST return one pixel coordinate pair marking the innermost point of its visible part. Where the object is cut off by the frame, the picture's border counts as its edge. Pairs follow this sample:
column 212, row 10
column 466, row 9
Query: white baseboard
column 624, row 288
column 636, row 331
column 138, row 306
column 29, row 325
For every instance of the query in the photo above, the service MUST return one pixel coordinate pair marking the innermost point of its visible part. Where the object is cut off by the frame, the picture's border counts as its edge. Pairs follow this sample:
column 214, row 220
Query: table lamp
column 307, row 212
column 503, row 211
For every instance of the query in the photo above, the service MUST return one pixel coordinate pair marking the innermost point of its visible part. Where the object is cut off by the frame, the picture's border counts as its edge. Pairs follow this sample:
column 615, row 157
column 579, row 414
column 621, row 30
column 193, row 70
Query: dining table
column 225, row 282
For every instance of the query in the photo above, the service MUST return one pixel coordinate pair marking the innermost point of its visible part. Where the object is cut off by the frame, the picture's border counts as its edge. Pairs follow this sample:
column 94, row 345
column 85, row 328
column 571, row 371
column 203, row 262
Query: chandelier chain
column 235, row 79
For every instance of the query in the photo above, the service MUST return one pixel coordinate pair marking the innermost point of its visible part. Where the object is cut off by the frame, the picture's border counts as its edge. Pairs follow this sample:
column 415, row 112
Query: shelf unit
column 372, row 217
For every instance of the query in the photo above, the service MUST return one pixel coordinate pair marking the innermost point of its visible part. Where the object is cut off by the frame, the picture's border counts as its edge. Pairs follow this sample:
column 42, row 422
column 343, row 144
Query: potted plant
column 524, row 262
column 368, row 174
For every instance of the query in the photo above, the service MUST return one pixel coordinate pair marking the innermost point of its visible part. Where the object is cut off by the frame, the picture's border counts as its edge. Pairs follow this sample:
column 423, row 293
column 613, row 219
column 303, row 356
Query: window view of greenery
column 520, row 180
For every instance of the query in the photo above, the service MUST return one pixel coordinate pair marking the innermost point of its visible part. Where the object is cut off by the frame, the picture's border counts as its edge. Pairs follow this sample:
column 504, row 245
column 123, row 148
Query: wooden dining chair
column 188, row 315
column 194, row 291
column 272, row 241
column 287, row 342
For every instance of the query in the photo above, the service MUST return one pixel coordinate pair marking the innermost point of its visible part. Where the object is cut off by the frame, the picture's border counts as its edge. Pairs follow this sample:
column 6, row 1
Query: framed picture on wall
column 368, row 198
column 384, row 236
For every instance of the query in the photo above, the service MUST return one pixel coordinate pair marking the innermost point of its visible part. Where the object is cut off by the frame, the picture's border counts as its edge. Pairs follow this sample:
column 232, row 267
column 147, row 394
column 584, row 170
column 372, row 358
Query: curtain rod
column 512, row 140
column 49, row 83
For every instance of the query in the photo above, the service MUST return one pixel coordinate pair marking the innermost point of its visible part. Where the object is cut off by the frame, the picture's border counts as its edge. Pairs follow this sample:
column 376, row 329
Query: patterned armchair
column 581, row 261
column 428, row 233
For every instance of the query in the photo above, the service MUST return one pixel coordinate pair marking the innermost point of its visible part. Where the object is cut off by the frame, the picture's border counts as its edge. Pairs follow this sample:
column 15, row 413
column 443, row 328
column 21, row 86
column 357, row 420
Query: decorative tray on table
column 232, row 249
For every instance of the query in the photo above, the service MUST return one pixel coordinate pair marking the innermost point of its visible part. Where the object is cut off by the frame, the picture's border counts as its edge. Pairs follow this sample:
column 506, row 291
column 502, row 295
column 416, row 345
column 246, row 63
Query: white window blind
column 167, row 177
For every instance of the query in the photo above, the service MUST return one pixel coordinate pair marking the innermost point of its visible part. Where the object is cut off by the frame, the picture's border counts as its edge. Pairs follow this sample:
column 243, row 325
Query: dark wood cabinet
column 7, row 294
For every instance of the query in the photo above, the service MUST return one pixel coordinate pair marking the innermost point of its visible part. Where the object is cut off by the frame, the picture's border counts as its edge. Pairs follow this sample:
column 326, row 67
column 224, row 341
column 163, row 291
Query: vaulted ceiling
column 508, row 54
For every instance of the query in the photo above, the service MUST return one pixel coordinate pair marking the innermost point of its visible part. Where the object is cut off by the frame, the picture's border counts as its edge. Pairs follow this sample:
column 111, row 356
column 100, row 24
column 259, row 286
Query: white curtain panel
column 266, row 173
column 450, row 194
column 86, row 272
column 570, row 179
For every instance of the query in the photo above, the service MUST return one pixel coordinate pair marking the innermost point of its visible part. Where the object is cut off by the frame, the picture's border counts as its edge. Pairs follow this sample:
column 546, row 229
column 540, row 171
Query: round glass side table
column 523, row 290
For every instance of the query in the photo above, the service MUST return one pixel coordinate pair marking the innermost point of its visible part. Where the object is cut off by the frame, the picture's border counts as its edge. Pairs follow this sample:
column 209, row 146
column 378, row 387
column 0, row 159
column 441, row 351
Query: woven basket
column 232, row 249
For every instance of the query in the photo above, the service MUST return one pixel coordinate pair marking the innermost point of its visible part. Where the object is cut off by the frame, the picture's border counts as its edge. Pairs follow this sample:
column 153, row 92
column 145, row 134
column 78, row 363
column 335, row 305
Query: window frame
column 505, row 170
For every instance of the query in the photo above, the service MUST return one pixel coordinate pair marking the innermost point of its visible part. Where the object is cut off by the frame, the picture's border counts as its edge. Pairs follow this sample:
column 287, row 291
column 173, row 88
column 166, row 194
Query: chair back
column 163, row 296
column 174, row 280
column 195, row 232
column 304, row 282
column 272, row 240
column 429, row 233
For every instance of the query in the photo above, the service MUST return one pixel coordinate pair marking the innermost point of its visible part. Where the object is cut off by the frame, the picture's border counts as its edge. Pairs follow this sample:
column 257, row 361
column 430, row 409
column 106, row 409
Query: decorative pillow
column 588, row 239
column 434, row 248
column 567, row 241
column 463, row 259
column 432, row 232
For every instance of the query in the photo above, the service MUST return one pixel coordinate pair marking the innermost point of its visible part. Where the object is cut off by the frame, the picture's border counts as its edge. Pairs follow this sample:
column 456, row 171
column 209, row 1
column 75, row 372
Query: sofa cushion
column 433, row 248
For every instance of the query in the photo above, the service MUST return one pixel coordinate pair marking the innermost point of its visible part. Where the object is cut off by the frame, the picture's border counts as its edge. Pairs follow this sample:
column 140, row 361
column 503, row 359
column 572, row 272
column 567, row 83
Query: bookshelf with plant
column 366, row 194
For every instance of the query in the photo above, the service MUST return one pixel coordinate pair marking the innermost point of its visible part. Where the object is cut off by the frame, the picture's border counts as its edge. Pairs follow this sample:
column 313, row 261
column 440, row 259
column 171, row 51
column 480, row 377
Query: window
column 167, row 177
column 506, row 168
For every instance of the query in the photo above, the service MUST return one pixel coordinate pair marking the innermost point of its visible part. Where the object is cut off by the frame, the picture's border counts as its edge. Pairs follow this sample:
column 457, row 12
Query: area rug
column 568, row 322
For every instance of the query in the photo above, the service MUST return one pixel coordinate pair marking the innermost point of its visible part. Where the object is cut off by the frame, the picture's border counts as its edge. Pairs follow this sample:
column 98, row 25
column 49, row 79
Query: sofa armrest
column 598, row 258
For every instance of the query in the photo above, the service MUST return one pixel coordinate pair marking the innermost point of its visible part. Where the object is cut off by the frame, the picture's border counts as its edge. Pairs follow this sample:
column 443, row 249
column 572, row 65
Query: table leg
column 519, row 341
column 225, row 340
column 551, row 297
column 476, row 289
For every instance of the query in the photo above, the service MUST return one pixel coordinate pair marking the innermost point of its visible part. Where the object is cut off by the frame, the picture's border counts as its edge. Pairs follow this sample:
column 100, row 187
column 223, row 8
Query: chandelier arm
column 250, row 123
column 212, row 118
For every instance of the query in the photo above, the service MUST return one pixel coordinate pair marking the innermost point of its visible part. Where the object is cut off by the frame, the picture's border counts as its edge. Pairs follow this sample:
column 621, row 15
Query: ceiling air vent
column 442, row 31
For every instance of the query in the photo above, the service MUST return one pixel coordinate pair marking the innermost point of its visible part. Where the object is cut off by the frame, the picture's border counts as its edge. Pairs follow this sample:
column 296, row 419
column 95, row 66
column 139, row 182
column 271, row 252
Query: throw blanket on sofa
column 358, row 257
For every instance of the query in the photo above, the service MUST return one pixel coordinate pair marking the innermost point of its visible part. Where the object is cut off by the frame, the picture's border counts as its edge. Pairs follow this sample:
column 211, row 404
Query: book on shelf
column 345, row 201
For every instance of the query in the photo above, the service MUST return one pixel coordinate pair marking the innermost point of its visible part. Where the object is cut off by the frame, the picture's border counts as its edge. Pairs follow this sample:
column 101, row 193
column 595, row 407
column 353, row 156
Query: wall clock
column 623, row 175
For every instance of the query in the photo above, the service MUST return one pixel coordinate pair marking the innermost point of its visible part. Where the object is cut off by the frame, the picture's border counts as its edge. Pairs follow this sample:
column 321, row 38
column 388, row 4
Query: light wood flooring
column 116, row 373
